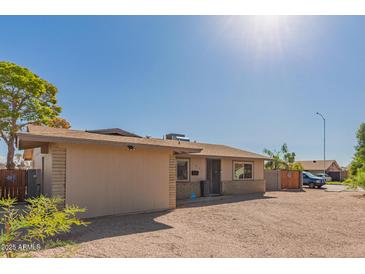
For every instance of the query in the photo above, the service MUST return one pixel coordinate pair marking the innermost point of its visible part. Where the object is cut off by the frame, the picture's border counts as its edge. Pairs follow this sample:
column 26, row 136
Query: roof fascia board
column 54, row 139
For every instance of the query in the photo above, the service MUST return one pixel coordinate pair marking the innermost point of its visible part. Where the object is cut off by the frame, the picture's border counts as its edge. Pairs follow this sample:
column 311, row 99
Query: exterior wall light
column 130, row 147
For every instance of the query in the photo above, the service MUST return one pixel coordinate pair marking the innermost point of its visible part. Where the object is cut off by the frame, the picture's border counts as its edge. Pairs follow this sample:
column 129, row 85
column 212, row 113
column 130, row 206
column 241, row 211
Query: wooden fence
column 283, row 179
column 272, row 178
column 290, row 179
column 13, row 183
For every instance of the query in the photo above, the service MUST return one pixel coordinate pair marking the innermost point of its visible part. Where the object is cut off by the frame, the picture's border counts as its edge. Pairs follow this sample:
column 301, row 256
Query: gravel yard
column 313, row 223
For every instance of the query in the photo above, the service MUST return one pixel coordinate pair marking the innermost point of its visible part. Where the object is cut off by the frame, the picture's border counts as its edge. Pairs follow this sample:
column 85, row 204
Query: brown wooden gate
column 290, row 179
column 13, row 183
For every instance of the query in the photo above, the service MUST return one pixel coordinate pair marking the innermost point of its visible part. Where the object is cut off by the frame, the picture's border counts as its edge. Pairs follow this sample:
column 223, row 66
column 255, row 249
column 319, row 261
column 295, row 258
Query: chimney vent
column 177, row 136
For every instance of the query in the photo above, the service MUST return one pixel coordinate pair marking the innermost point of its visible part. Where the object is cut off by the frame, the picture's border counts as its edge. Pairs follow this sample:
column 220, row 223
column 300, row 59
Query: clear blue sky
column 249, row 82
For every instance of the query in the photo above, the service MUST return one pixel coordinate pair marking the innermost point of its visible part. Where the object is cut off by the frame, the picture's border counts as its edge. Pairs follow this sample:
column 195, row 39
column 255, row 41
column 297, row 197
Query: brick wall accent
column 243, row 187
column 58, row 175
column 184, row 190
column 172, row 181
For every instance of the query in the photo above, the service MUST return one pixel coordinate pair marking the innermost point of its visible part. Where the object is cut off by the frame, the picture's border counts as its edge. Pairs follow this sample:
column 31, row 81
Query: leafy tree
column 19, row 161
column 56, row 122
column 276, row 162
column 288, row 157
column 42, row 218
column 59, row 122
column 358, row 163
column 25, row 98
column 357, row 167
column 295, row 166
column 282, row 159
column 357, row 180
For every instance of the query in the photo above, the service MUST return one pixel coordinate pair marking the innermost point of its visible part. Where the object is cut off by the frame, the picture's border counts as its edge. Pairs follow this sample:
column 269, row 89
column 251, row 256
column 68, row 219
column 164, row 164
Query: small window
column 242, row 170
column 248, row 171
column 237, row 170
column 182, row 170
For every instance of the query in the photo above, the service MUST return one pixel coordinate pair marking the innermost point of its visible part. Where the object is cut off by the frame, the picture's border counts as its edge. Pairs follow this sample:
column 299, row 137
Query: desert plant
column 295, row 166
column 282, row 159
column 288, row 157
column 42, row 218
column 276, row 162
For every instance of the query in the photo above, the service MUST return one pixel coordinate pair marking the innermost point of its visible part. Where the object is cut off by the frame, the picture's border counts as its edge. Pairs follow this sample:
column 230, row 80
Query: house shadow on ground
column 121, row 225
column 114, row 226
column 217, row 200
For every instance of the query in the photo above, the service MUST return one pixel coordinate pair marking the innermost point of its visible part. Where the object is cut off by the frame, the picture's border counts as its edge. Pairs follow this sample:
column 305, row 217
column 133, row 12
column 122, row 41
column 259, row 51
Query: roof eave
column 231, row 156
column 41, row 139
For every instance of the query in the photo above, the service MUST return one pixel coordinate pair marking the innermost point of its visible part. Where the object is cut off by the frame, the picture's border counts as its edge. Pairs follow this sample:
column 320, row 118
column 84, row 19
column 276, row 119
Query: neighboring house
column 2, row 166
column 113, row 171
column 331, row 166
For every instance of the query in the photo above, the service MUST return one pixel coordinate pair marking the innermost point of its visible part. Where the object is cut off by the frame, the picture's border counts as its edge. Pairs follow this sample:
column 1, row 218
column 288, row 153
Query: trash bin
column 204, row 188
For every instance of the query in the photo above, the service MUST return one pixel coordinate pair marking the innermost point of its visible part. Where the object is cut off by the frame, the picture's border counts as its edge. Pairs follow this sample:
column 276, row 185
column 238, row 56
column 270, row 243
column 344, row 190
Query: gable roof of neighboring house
column 38, row 135
column 317, row 164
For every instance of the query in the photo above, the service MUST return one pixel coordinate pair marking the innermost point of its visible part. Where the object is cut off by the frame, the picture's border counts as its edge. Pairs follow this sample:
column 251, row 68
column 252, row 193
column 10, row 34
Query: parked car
column 313, row 181
column 324, row 175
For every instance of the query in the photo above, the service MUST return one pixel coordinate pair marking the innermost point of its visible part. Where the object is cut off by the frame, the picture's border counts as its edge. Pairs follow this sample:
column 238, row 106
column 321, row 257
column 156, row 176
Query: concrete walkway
column 335, row 188
column 340, row 188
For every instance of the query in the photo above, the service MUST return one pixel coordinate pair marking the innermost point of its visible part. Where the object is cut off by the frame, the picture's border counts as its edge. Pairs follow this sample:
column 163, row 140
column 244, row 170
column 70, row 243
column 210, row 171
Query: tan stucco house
column 113, row 171
column 332, row 168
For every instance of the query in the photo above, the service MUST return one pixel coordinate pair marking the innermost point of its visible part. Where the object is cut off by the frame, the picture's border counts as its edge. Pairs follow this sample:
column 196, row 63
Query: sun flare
column 261, row 34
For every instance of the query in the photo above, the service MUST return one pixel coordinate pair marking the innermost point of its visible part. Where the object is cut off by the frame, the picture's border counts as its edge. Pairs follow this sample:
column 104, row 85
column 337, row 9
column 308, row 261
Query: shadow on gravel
column 218, row 200
column 113, row 226
column 120, row 225
column 359, row 196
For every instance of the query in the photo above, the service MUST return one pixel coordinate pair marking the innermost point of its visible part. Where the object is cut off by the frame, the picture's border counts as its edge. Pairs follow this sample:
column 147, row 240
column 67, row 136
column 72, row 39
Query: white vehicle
column 326, row 176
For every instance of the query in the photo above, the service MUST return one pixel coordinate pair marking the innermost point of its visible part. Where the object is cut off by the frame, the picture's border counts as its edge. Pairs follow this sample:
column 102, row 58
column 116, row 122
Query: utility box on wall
column 33, row 183
column 204, row 188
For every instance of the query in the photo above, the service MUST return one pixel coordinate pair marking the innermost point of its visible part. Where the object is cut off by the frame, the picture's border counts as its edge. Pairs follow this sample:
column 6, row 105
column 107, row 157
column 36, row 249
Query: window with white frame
column 242, row 170
column 182, row 169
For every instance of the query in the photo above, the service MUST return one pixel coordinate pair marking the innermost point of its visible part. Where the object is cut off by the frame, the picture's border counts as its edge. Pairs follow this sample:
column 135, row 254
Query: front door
column 214, row 175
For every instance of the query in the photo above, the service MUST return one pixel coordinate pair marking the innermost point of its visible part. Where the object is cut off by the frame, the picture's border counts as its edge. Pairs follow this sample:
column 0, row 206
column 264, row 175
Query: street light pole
column 324, row 143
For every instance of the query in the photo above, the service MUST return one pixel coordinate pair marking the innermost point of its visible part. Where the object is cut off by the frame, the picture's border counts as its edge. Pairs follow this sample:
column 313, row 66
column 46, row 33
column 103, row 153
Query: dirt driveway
column 313, row 223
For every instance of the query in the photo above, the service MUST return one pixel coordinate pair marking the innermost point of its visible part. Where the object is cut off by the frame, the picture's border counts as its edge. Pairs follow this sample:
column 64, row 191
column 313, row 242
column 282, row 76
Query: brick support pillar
column 172, row 181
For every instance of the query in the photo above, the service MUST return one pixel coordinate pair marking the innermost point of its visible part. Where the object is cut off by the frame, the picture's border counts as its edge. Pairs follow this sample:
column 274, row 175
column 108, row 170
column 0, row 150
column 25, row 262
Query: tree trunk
column 8, row 252
column 10, row 157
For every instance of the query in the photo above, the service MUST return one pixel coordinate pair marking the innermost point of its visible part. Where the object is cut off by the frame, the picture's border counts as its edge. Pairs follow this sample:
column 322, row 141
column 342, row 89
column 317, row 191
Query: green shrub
column 358, row 180
column 58, row 243
column 358, row 163
column 41, row 219
column 295, row 166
